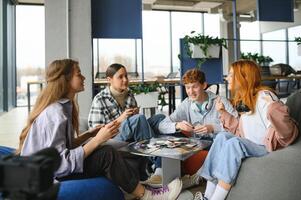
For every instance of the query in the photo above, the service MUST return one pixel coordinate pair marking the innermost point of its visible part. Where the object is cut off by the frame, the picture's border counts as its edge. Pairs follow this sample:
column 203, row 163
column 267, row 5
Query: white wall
column 273, row 26
column 68, row 34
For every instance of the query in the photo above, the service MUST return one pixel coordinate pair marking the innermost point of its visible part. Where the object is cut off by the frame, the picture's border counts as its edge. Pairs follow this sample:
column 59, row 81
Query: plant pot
column 265, row 63
column 265, row 71
column 212, row 52
column 299, row 50
column 148, row 100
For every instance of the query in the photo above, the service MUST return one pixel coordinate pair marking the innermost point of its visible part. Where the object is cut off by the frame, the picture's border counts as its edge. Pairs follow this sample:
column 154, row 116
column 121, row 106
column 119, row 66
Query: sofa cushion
column 6, row 150
column 92, row 189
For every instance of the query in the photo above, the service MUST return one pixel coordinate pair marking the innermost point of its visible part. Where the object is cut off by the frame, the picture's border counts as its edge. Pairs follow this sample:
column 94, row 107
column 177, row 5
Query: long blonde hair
column 58, row 76
column 246, row 83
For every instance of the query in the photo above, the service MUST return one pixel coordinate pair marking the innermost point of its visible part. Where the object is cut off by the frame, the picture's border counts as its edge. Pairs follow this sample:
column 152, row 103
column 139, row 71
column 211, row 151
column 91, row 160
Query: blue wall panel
column 275, row 10
column 116, row 18
column 213, row 67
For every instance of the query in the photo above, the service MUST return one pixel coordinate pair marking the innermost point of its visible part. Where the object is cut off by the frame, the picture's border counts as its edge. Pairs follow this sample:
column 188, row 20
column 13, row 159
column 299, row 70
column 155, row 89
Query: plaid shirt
column 105, row 108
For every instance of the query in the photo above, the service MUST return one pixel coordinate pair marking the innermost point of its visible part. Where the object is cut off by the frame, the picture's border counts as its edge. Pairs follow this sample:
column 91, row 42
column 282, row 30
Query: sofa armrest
column 274, row 176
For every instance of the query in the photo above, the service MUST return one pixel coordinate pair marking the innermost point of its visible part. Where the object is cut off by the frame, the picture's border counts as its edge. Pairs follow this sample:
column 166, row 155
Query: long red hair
column 246, row 83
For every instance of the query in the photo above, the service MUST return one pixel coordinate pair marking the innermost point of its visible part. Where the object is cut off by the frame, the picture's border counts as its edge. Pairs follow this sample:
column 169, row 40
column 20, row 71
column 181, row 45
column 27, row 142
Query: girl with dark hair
column 54, row 122
column 117, row 103
column 264, row 126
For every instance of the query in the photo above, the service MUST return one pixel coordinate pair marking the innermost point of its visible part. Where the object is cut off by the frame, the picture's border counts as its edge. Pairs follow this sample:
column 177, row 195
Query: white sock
column 219, row 193
column 158, row 171
column 210, row 188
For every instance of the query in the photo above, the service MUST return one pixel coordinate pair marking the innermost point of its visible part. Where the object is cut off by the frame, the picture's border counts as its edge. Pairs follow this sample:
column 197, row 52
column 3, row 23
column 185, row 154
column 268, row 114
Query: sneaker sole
column 154, row 185
column 176, row 196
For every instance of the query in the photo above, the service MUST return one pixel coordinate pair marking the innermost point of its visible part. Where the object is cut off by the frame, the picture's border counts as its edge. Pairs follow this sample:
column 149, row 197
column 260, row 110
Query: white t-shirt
column 255, row 125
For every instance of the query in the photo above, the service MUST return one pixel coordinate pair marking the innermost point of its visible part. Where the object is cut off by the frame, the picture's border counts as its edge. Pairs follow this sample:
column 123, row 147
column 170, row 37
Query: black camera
column 29, row 177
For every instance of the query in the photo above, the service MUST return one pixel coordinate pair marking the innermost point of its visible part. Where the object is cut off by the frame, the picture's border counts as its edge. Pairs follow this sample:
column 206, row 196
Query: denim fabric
column 137, row 127
column 225, row 156
column 154, row 122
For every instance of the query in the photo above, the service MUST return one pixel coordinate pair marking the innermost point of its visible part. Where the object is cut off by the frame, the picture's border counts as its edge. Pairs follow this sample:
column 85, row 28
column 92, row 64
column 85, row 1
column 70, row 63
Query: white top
column 255, row 125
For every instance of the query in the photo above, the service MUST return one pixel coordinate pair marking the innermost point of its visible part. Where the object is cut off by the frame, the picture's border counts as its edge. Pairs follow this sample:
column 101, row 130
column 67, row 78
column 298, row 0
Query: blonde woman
column 54, row 122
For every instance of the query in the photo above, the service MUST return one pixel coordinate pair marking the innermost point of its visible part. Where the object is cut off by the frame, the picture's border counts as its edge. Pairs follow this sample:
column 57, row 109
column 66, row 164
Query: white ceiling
column 187, row 5
column 243, row 7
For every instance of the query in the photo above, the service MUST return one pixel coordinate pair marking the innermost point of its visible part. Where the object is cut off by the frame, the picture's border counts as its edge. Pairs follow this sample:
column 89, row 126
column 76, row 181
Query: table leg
column 28, row 97
column 171, row 99
column 227, row 89
column 152, row 111
column 171, row 169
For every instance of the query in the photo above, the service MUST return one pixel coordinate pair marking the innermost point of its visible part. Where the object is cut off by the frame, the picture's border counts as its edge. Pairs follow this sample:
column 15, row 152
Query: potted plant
column 298, row 40
column 203, row 46
column 260, row 59
column 147, row 95
column 263, row 61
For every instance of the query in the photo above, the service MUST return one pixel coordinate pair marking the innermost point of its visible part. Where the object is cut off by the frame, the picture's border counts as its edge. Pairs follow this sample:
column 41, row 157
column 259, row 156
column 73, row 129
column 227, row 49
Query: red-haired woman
column 264, row 126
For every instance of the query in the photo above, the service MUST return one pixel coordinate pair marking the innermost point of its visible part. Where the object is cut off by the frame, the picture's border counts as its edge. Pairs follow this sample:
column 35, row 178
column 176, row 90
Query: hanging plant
column 151, row 87
column 204, row 42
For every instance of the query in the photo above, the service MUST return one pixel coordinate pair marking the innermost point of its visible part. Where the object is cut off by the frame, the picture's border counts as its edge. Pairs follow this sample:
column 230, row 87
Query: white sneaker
column 169, row 192
column 189, row 181
column 199, row 196
column 153, row 181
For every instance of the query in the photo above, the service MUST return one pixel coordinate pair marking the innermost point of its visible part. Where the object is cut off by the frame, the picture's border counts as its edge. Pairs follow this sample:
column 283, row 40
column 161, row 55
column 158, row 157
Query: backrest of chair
column 213, row 88
column 294, row 105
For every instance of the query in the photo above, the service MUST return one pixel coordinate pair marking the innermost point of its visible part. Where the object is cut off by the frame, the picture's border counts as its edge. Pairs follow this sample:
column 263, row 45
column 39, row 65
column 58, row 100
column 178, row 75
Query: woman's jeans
column 225, row 156
column 137, row 127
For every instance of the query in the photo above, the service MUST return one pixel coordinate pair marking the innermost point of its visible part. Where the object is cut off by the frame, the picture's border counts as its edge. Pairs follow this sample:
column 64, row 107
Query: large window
column 109, row 51
column 162, row 31
column 30, row 46
column 156, row 43
column 294, row 58
column 250, row 36
column 276, row 48
column 182, row 24
column 212, row 25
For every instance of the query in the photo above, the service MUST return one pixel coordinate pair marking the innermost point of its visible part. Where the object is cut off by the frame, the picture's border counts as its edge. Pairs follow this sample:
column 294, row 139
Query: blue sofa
column 92, row 189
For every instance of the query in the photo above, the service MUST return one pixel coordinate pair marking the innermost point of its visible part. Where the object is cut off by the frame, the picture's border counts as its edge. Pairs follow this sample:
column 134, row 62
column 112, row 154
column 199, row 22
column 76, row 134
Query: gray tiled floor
column 11, row 125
